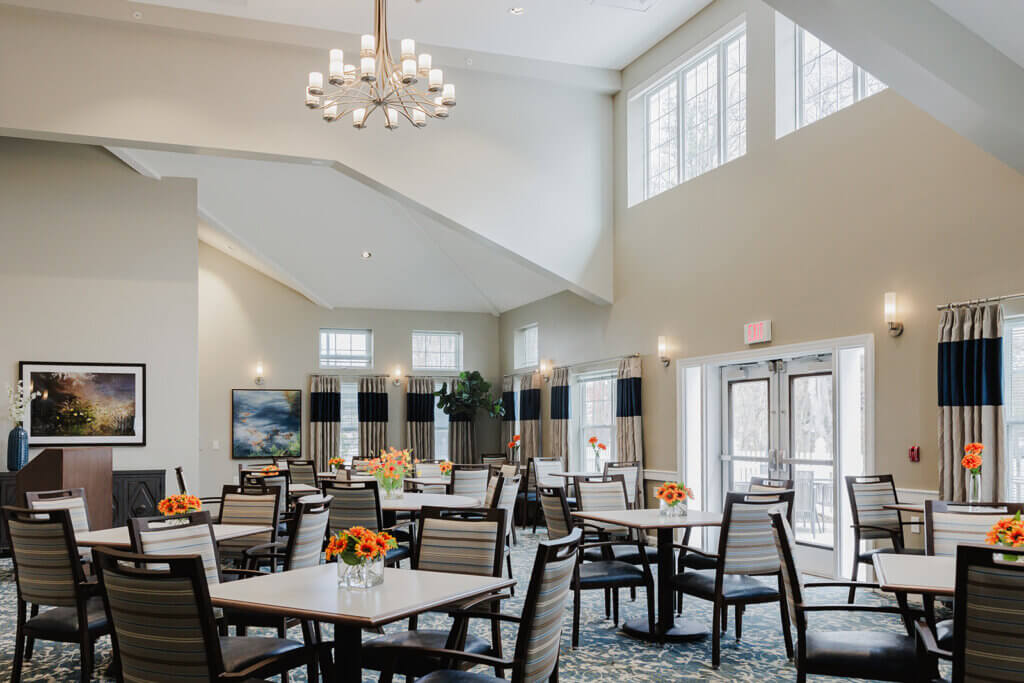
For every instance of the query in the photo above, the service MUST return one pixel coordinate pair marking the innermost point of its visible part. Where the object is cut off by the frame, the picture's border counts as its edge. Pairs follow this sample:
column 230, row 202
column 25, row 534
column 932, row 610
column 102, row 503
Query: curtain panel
column 324, row 418
column 461, row 441
column 970, row 375
column 629, row 427
column 419, row 417
column 529, row 417
column 560, row 415
column 508, row 420
column 373, row 416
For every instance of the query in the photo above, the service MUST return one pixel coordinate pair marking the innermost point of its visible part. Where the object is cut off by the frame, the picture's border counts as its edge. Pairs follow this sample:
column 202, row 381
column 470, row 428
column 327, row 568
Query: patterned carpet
column 604, row 654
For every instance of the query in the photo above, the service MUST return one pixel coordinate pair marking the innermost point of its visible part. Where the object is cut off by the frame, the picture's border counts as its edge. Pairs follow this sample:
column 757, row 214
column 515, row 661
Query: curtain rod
column 954, row 304
column 576, row 365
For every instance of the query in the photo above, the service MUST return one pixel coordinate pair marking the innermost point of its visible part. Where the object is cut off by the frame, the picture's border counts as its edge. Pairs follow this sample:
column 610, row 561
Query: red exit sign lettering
column 757, row 333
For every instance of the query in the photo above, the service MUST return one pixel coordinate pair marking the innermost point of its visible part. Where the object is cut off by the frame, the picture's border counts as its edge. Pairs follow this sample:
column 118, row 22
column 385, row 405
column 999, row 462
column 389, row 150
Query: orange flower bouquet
column 390, row 471
column 360, row 554
column 513, row 446
column 673, row 498
column 335, row 464
column 1008, row 532
column 597, row 447
column 179, row 505
column 270, row 471
column 972, row 463
column 446, row 468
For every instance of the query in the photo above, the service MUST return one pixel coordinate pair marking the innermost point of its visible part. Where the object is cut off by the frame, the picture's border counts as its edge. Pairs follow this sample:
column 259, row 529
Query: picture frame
column 266, row 423
column 85, row 404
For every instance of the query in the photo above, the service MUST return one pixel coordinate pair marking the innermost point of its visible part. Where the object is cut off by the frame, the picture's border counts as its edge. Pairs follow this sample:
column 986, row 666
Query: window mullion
column 723, row 69
column 680, row 128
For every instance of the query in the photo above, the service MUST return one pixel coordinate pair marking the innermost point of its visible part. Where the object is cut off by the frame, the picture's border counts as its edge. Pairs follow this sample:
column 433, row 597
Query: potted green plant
column 469, row 393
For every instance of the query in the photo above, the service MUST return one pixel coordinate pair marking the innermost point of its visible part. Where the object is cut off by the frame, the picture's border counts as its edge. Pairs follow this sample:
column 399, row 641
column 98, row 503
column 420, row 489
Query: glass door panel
column 748, row 406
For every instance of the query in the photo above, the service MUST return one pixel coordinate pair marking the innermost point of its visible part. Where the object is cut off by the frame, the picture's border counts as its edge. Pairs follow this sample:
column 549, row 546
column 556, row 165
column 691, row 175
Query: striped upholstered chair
column 746, row 549
column 189, row 534
column 164, row 628
column 72, row 500
column 49, row 574
column 357, row 503
column 430, row 468
column 871, row 522
column 630, row 472
column 877, row 655
column 470, row 480
column 299, row 471
column 610, row 492
column 453, row 543
column 247, row 505
column 540, row 626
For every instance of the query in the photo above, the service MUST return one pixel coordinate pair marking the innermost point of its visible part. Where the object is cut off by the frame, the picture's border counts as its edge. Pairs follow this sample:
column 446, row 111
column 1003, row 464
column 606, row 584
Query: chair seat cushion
column 623, row 553
column 395, row 554
column 241, row 652
column 450, row 676
column 701, row 583
column 610, row 574
column 944, row 634
column 64, row 620
column 379, row 651
column 695, row 561
column 862, row 654
column 866, row 556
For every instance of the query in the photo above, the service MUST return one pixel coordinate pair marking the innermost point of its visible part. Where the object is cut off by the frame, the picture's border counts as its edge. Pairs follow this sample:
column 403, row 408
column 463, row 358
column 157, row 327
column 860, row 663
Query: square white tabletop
column 118, row 537
column 413, row 502
column 931, row 574
column 429, row 481
column 652, row 518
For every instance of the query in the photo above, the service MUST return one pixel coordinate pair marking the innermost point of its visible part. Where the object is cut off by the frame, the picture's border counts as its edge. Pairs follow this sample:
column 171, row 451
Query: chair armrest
column 841, row 584
column 467, row 608
column 872, row 527
column 843, row 607
column 695, row 551
column 258, row 550
column 459, row 655
column 927, row 638
column 242, row 572
column 394, row 527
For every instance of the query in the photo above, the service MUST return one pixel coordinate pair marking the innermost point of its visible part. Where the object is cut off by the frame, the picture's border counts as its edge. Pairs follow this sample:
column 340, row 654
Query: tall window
column 525, row 347
column 346, row 348
column 349, row 428
column 696, row 117
column 1013, row 410
column 594, row 415
column 436, row 350
column 813, row 79
column 440, row 430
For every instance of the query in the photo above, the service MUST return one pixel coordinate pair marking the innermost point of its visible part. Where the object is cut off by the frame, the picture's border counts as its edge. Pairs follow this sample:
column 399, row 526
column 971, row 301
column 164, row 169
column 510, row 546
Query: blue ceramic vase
column 17, row 449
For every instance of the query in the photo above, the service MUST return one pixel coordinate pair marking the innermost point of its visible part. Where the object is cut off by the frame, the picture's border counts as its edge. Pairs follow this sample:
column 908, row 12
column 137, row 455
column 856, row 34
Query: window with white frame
column 813, row 80
column 525, row 346
column 695, row 119
column 346, row 348
column 1013, row 408
column 593, row 416
column 349, row 427
column 436, row 350
column 440, row 430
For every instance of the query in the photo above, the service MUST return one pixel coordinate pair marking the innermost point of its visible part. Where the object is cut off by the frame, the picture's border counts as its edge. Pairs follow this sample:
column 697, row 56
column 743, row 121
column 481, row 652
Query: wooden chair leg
column 716, row 633
column 576, row 618
column 607, row 603
column 87, row 655
column 615, row 607
column 650, row 606
column 496, row 641
column 725, row 617
column 853, row 575
column 784, row 614
column 19, row 644
column 30, row 642
column 512, row 589
column 739, row 621
column 632, row 593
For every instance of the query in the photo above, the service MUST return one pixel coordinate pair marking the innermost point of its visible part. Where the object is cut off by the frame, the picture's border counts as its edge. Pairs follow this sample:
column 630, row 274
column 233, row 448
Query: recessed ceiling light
column 136, row 15
column 366, row 255
column 516, row 11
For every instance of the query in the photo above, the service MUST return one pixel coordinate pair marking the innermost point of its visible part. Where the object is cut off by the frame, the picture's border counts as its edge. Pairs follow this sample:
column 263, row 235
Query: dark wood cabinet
column 135, row 494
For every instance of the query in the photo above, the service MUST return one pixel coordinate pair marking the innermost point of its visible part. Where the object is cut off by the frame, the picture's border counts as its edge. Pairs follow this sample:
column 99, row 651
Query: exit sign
column 757, row 333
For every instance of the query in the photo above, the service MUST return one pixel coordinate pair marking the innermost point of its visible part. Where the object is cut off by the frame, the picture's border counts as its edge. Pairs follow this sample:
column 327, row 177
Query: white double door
column 778, row 422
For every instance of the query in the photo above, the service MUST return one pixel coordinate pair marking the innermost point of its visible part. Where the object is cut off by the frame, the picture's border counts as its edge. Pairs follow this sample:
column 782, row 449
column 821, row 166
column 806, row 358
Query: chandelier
column 380, row 83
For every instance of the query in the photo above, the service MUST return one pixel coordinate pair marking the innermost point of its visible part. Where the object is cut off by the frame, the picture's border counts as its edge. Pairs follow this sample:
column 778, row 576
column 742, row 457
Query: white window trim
column 576, row 380
column 344, row 368
column 1010, row 321
column 515, row 355
column 459, row 352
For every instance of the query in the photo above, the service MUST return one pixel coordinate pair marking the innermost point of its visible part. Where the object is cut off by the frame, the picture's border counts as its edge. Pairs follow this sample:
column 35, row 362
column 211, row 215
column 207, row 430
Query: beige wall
column 808, row 231
column 98, row 263
column 245, row 317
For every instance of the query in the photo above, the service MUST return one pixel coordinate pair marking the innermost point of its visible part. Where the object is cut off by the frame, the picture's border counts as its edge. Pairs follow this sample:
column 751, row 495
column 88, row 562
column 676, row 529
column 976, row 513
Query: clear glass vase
column 392, row 491
column 973, row 488
column 361, row 576
column 671, row 510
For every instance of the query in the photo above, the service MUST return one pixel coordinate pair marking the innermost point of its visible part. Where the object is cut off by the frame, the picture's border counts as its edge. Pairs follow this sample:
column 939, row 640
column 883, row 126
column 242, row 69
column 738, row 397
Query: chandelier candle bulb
column 436, row 80
column 312, row 101
column 408, row 71
column 367, row 46
column 350, row 74
column 408, row 49
column 316, row 83
column 424, row 65
column 419, row 118
column 448, row 95
column 358, row 118
column 440, row 111
column 331, row 112
column 367, row 65
column 337, row 70
column 392, row 122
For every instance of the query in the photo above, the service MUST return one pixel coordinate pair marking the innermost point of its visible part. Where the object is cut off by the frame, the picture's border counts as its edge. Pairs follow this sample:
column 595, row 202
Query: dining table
column 921, row 574
column 414, row 502
column 666, row 627
column 119, row 538
column 429, row 481
column 296, row 490
column 313, row 594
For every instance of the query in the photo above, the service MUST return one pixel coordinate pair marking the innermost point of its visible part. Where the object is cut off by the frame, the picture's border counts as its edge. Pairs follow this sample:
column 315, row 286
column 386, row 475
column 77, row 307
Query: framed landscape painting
column 85, row 404
column 266, row 423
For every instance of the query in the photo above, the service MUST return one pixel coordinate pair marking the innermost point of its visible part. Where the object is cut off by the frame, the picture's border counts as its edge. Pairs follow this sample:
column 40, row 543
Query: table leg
column 666, row 627
column 348, row 643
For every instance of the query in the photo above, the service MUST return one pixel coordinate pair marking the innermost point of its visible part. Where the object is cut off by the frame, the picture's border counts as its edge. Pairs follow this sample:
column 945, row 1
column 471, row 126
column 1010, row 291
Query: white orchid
column 18, row 398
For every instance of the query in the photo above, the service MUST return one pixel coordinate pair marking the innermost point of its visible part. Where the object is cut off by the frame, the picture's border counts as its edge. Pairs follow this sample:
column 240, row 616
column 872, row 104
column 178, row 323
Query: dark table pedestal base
column 682, row 631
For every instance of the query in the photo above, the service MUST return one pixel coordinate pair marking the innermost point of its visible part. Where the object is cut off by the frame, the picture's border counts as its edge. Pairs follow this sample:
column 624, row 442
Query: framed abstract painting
column 266, row 423
column 85, row 404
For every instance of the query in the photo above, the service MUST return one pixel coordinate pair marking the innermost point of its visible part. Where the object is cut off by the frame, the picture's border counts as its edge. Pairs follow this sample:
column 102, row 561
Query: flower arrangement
column 179, row 504
column 1008, row 532
column 673, row 497
column 446, row 468
column 361, row 553
column 513, row 446
column 270, row 471
column 335, row 463
column 597, row 447
column 18, row 398
column 391, row 469
column 972, row 463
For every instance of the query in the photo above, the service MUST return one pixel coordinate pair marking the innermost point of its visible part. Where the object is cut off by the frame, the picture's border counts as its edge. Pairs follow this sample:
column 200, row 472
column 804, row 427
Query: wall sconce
column 259, row 374
column 396, row 376
column 544, row 368
column 663, row 351
column 895, row 327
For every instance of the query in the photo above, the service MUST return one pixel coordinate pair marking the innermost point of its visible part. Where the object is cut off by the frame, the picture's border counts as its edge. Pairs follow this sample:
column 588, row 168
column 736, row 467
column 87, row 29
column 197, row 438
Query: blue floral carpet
column 605, row 654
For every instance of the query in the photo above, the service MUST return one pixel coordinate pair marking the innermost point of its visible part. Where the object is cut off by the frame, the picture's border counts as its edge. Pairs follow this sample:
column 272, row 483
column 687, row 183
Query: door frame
column 709, row 497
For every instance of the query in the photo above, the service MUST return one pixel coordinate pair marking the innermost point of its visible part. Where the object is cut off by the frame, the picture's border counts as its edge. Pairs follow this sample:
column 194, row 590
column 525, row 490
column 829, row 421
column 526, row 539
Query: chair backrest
column 163, row 624
column 263, row 483
column 792, row 580
column 630, row 472
column 868, row 493
column 428, row 469
column 179, row 474
column 188, row 534
column 72, row 500
column 306, row 533
column 765, row 484
column 505, row 496
column 988, row 614
column 361, row 465
column 541, row 471
column 355, row 503
column 470, row 480
column 540, row 630
column 510, row 469
column 46, row 562
column 948, row 525
column 302, row 472
column 556, row 511
column 240, row 505
column 493, row 458
column 746, row 544
column 448, row 543
column 601, row 492
column 492, row 489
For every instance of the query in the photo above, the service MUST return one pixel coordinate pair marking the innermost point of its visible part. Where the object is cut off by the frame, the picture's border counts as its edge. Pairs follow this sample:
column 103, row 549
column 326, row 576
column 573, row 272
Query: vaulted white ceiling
column 308, row 225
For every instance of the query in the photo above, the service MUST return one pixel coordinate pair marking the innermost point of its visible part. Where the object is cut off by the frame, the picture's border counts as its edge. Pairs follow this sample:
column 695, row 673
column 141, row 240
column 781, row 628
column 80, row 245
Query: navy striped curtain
column 629, row 425
column 419, row 417
column 529, row 417
column 560, row 415
column 324, row 418
column 508, row 420
column 373, row 416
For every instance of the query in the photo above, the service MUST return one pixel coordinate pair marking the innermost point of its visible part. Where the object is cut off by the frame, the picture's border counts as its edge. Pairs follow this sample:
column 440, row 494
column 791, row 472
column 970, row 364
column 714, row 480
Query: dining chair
column 74, row 501
column 188, row 534
column 164, row 627
column 357, row 503
column 504, row 498
column 48, row 574
column 494, row 461
column 300, row 471
column 768, row 484
column 469, row 480
column 540, row 472
column 630, row 472
column 258, row 506
column 430, row 468
column 610, row 492
column 452, row 542
column 540, row 624
column 877, row 655
column 361, row 465
column 261, row 483
column 746, row 551
column 871, row 522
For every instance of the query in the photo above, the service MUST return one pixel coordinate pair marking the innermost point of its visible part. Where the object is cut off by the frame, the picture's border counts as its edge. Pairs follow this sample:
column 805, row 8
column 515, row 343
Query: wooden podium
column 67, row 468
